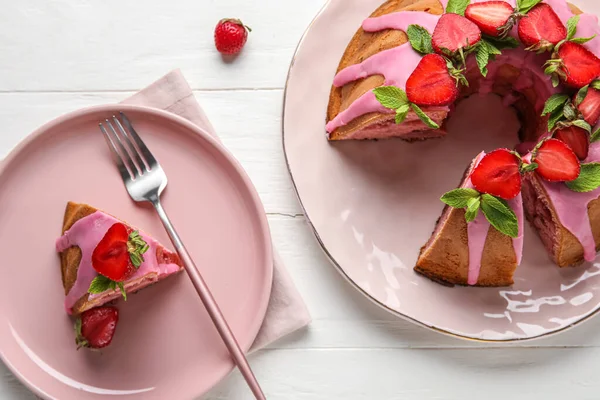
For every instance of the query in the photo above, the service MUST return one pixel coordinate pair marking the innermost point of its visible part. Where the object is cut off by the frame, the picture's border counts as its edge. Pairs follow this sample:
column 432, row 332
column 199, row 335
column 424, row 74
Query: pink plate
column 165, row 346
column 372, row 205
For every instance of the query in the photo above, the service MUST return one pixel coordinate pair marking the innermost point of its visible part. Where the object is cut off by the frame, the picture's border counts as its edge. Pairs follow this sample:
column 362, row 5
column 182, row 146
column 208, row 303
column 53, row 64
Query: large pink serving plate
column 372, row 205
column 165, row 346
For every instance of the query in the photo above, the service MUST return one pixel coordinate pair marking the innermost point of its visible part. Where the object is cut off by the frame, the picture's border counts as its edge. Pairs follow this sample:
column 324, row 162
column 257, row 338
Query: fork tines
column 131, row 154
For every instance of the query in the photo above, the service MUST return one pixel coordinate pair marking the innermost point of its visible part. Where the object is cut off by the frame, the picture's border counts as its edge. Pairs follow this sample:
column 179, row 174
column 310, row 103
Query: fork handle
column 210, row 304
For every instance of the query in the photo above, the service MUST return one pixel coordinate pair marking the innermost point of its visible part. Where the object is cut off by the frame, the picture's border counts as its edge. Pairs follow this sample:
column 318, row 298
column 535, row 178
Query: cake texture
column 412, row 60
column 83, row 228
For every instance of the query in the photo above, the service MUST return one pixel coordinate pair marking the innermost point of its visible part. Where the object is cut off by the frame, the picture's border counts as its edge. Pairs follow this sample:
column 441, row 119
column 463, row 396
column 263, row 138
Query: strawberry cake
column 103, row 259
column 412, row 60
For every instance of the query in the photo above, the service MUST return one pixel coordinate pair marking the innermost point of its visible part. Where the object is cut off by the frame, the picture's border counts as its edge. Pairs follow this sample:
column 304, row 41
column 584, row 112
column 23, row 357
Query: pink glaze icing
column 477, row 232
column 86, row 233
column 572, row 208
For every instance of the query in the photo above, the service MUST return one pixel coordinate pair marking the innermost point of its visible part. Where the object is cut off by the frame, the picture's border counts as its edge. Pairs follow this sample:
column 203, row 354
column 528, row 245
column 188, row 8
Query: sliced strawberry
column 576, row 138
column 454, row 32
column 579, row 65
column 556, row 161
column 489, row 16
column 96, row 327
column 590, row 106
column 164, row 256
column 111, row 256
column 431, row 84
column 541, row 28
column 498, row 174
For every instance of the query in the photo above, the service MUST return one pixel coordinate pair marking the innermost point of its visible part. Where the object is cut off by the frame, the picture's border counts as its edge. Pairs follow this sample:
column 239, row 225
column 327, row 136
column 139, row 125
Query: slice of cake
column 562, row 201
column 103, row 258
column 478, row 240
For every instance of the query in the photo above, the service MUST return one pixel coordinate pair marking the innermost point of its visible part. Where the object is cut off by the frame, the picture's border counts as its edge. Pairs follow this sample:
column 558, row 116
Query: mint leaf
column 595, row 84
column 554, row 119
column 554, row 102
column 572, row 26
column 524, row 6
column 420, row 39
column 508, row 42
column 583, row 125
column 459, row 198
column 569, row 112
column 390, row 96
column 595, row 136
column 472, row 209
column 424, row 117
column 122, row 289
column 482, row 56
column 99, row 284
column 500, row 215
column 588, row 179
column 457, row 6
column 583, row 40
column 401, row 113
column 581, row 95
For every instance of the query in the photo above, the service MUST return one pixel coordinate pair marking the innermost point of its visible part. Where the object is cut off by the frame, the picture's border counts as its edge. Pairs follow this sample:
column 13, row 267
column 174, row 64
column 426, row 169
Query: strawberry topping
column 498, row 174
column 454, row 32
column 579, row 65
column 556, row 161
column 489, row 16
column 96, row 327
column 111, row 256
column 431, row 84
column 590, row 106
column 576, row 138
column 541, row 28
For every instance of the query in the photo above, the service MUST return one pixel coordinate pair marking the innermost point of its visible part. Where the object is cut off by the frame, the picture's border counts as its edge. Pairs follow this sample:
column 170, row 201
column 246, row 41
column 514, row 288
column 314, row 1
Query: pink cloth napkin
column 286, row 311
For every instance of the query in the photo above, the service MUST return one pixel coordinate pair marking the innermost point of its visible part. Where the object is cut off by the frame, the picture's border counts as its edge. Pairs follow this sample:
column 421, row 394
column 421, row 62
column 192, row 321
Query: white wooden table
column 60, row 55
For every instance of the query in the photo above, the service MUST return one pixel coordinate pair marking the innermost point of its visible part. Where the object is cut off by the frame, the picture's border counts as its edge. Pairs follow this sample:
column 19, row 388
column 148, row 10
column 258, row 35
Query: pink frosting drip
column 86, row 233
column 477, row 232
column 401, row 20
column 572, row 208
column 395, row 65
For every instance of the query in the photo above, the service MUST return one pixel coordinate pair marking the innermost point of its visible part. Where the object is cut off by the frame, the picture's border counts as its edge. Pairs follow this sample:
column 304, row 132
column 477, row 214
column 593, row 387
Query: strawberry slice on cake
column 103, row 258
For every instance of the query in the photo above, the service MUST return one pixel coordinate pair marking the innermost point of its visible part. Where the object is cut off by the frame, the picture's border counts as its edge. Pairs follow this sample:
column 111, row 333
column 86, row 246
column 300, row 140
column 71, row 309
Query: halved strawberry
column 431, row 84
column 590, row 106
column 541, row 28
column 111, row 256
column 454, row 32
column 96, row 327
column 576, row 138
column 498, row 174
column 579, row 65
column 556, row 161
column 489, row 16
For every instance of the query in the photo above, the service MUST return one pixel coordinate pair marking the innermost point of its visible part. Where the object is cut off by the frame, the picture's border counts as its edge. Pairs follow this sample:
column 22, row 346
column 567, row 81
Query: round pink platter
column 165, row 346
column 373, row 204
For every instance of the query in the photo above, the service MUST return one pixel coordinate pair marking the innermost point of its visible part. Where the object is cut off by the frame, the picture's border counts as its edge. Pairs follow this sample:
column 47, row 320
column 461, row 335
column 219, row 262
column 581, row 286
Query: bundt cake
column 103, row 258
column 412, row 60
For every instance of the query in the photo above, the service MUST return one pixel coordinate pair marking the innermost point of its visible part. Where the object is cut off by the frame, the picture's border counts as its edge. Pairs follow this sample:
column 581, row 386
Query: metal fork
column 145, row 180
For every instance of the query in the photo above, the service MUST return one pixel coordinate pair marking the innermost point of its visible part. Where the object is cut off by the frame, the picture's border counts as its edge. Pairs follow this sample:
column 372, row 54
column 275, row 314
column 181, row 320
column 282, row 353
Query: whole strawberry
column 230, row 36
column 96, row 327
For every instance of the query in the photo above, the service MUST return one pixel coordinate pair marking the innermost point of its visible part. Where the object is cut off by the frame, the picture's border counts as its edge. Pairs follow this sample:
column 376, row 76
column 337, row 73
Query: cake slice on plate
column 103, row 258
column 478, row 240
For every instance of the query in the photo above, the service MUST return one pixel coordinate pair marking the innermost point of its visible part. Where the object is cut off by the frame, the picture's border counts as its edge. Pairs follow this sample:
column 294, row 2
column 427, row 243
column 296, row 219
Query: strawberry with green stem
column 571, row 62
column 96, row 327
column 116, row 258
